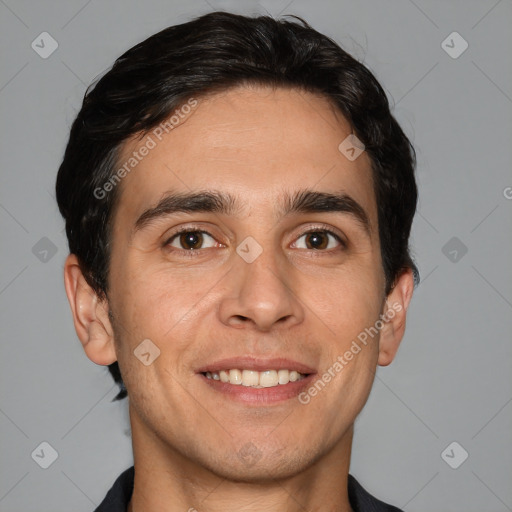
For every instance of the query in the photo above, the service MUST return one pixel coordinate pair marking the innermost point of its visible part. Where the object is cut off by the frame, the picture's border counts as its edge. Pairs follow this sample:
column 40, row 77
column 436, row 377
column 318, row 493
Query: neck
column 166, row 479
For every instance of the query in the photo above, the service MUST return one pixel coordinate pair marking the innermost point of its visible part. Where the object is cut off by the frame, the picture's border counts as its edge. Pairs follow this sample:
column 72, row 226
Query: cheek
column 351, row 355
column 347, row 300
column 161, row 304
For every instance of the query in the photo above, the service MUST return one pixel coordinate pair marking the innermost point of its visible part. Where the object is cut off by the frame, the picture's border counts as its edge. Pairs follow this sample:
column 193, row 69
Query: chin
column 250, row 466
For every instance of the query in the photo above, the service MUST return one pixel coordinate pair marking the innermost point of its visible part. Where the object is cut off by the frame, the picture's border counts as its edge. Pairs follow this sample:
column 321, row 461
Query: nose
column 261, row 295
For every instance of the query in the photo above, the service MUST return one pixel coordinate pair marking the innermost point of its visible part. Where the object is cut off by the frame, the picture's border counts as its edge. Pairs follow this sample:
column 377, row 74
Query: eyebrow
column 301, row 201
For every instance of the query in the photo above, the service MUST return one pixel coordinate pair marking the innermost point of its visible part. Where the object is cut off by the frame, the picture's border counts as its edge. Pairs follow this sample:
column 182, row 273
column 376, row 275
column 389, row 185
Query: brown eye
column 190, row 240
column 319, row 240
column 316, row 240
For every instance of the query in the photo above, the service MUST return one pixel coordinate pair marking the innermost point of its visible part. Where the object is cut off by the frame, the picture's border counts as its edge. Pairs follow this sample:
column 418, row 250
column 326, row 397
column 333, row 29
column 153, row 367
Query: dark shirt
column 119, row 496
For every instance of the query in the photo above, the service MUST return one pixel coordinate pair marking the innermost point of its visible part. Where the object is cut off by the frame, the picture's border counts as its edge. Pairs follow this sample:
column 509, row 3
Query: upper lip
column 255, row 364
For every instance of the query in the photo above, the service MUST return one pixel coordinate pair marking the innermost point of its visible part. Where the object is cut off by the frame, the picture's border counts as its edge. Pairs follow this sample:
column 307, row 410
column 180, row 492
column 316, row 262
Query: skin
column 293, row 301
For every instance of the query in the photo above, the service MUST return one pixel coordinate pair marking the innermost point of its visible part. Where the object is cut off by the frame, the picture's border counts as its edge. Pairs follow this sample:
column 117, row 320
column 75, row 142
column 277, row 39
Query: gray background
column 451, row 380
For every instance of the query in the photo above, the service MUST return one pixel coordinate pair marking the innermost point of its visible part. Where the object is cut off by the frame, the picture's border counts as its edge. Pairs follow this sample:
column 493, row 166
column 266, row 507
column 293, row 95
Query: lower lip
column 260, row 396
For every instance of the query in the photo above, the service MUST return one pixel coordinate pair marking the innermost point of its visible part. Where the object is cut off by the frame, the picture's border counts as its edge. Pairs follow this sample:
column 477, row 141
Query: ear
column 90, row 315
column 394, row 315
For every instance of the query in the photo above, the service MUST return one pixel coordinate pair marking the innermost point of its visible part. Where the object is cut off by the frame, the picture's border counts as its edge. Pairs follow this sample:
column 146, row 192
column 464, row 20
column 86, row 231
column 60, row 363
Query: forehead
column 253, row 142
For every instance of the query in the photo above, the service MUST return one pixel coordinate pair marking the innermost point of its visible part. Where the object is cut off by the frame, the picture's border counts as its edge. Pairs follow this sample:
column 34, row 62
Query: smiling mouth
column 256, row 379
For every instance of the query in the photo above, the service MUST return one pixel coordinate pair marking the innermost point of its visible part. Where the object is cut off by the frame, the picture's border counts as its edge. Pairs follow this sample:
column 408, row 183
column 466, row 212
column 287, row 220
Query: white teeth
column 268, row 379
column 283, row 376
column 255, row 379
column 250, row 378
column 235, row 377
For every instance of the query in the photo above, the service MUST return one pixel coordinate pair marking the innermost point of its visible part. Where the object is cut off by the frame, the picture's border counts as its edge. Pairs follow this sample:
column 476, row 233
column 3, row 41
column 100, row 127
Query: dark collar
column 118, row 497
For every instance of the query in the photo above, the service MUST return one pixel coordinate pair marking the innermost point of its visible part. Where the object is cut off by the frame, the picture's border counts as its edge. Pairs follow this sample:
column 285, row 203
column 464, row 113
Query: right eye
column 190, row 240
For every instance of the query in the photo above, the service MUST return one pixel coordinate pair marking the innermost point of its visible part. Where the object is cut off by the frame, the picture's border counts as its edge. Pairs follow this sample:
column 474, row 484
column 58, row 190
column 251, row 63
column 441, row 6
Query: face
column 259, row 281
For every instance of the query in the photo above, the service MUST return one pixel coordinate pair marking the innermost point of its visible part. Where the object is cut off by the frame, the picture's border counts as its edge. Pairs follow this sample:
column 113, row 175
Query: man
column 238, row 202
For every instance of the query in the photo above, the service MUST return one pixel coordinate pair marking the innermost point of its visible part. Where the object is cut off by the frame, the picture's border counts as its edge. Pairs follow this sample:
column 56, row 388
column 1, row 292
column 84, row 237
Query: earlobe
column 90, row 315
column 395, row 313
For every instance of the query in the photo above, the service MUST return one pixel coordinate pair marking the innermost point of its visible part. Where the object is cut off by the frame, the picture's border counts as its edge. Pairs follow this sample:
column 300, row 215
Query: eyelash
column 191, row 253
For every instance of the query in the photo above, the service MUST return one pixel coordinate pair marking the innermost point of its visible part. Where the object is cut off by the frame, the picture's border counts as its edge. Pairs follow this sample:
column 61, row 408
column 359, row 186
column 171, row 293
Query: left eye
column 315, row 240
